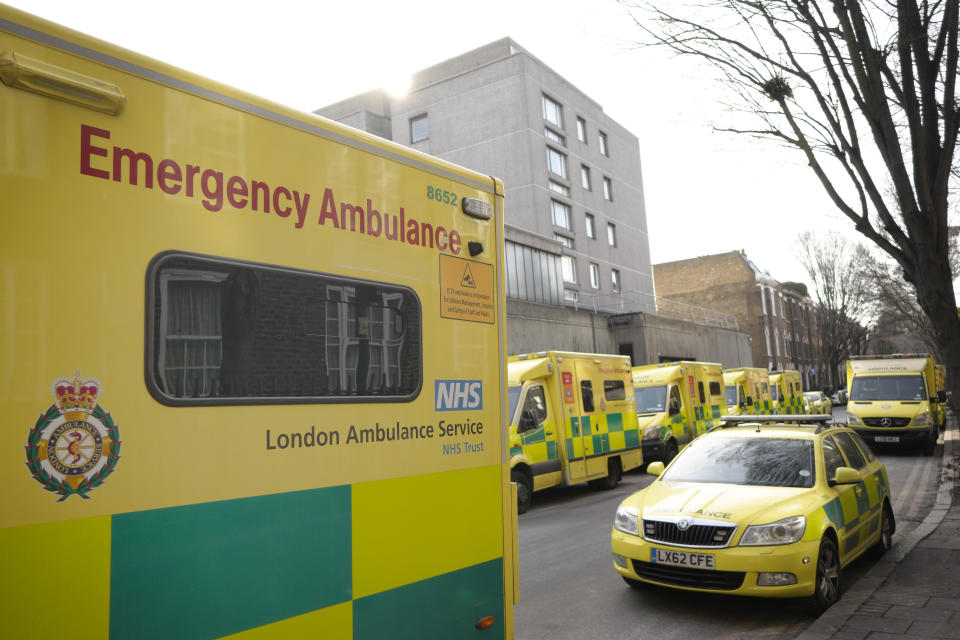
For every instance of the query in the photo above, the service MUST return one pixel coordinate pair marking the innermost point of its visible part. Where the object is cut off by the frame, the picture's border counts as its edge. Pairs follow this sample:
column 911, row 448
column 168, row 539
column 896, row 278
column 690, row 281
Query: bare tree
column 867, row 91
column 842, row 292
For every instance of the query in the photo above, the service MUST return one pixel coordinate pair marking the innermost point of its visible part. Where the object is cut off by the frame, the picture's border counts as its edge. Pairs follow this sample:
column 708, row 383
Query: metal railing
column 642, row 302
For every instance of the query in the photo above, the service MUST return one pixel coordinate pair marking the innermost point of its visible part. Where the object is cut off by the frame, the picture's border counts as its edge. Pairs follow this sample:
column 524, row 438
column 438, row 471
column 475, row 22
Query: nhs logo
column 455, row 395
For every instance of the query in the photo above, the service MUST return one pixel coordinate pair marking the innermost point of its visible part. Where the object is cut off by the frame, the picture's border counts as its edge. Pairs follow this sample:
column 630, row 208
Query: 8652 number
column 442, row 195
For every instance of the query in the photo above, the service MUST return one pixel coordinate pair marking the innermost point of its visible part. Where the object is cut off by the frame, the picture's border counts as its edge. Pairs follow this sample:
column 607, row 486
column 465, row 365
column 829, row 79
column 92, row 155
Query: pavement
column 914, row 590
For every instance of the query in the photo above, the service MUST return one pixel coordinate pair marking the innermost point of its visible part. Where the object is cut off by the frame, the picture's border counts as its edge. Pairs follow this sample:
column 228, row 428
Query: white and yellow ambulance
column 894, row 399
column 572, row 420
column 748, row 391
column 786, row 393
column 676, row 402
column 253, row 365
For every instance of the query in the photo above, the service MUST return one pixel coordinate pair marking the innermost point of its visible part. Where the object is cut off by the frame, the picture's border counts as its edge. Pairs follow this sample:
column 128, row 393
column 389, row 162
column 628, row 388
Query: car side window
column 864, row 447
column 832, row 459
column 850, row 450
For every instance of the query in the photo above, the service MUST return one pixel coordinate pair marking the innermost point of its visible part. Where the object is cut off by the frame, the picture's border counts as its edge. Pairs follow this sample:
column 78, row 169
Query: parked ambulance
column 786, row 392
column 676, row 402
column 748, row 391
column 894, row 399
column 572, row 420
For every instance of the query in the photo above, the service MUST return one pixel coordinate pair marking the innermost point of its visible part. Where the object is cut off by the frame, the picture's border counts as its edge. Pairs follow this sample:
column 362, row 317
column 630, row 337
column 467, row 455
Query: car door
column 842, row 508
column 861, row 519
column 537, row 430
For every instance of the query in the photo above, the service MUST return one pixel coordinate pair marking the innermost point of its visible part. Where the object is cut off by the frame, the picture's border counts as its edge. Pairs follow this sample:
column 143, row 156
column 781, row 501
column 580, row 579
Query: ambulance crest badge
column 75, row 444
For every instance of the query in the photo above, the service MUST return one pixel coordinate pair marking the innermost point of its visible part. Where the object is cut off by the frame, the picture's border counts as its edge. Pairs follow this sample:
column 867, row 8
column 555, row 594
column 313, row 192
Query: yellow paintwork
column 753, row 385
column 75, row 251
column 695, row 416
column 857, row 529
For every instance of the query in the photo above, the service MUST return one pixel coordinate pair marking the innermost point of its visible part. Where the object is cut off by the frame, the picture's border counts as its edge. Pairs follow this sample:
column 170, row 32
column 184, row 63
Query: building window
column 776, row 340
column 419, row 128
column 763, row 300
column 773, row 302
column 603, row 144
column 552, row 112
column 611, row 234
column 553, row 136
column 562, row 189
column 564, row 240
column 571, row 296
column 585, row 176
column 561, row 215
column 607, row 189
column 568, row 265
column 594, row 275
column 615, row 279
column 766, row 334
column 591, row 226
column 556, row 163
column 581, row 130
column 532, row 274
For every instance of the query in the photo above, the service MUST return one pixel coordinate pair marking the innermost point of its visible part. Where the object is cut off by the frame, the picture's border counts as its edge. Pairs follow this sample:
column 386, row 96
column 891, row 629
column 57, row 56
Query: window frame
column 555, row 107
column 563, row 163
column 604, row 147
column 568, row 214
column 590, row 222
column 422, row 117
column 611, row 234
column 594, row 275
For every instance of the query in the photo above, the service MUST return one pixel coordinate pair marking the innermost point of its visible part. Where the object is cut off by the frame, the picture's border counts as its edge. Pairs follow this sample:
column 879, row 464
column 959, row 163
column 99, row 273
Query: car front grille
column 696, row 535
column 687, row 577
column 891, row 422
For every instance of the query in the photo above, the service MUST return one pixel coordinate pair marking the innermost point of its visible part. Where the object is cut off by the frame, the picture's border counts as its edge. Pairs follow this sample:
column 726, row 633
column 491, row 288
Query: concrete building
column 577, row 248
column 781, row 321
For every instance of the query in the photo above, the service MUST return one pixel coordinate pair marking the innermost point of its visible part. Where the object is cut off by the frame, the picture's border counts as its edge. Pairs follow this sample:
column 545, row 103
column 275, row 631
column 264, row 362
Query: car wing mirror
column 846, row 475
column 655, row 468
column 528, row 420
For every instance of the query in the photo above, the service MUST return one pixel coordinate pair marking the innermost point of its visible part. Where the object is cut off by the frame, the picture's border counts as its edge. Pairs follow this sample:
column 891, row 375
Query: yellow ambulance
column 676, row 402
column 253, row 365
column 786, row 392
column 572, row 420
column 748, row 391
column 894, row 399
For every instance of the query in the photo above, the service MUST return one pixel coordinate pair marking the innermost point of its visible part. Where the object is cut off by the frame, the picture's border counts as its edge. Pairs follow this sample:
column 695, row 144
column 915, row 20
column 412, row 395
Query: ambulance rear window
column 614, row 390
column 222, row 331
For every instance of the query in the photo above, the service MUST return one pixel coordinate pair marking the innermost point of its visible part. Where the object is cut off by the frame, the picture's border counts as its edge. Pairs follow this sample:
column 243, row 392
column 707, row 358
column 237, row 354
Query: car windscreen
column 513, row 397
column 650, row 399
column 771, row 462
column 898, row 387
column 732, row 394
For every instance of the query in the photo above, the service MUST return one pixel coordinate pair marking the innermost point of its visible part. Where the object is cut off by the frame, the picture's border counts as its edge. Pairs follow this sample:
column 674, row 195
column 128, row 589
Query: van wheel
column 671, row 451
column 829, row 579
column 614, row 472
column 524, row 489
column 930, row 444
column 887, row 528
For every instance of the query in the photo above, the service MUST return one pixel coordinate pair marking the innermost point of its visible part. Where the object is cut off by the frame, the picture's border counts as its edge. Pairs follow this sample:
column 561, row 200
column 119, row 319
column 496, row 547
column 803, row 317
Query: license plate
column 887, row 438
column 682, row 558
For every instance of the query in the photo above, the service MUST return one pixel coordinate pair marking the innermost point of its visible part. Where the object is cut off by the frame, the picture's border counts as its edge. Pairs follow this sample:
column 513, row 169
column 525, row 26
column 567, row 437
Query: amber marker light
column 485, row 622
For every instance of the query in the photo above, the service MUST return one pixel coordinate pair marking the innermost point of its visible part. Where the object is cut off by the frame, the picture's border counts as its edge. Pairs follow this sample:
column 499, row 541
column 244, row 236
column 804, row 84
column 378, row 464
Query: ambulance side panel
column 253, row 378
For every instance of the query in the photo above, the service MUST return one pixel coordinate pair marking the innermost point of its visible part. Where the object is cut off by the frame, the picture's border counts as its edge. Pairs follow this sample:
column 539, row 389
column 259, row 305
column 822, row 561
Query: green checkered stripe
column 600, row 438
column 834, row 510
column 535, row 436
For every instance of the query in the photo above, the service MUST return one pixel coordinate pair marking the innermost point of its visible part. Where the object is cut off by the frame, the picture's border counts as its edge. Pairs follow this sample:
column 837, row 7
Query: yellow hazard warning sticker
column 467, row 291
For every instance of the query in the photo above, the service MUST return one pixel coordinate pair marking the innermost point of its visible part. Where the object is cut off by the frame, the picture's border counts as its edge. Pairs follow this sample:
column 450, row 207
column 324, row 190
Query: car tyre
column 931, row 443
column 614, row 472
column 829, row 577
column 887, row 528
column 524, row 489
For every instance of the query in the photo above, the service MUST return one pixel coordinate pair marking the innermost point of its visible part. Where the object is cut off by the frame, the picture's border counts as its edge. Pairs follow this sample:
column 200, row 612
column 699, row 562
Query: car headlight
column 627, row 520
column 922, row 418
column 853, row 419
column 652, row 433
column 784, row 531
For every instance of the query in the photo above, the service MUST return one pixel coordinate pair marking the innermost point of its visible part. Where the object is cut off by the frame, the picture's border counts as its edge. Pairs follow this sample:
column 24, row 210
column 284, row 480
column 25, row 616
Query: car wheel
column 634, row 584
column 887, row 527
column 524, row 489
column 671, row 451
column 829, row 579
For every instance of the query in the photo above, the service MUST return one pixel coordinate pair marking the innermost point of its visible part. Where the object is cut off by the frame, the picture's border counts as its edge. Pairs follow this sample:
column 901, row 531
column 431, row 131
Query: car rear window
column 772, row 462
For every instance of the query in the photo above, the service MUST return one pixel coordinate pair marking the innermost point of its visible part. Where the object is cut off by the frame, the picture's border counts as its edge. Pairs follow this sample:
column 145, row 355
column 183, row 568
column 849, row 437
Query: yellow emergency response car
column 676, row 402
column 786, row 392
column 894, row 399
column 763, row 509
column 748, row 391
column 253, row 365
column 572, row 420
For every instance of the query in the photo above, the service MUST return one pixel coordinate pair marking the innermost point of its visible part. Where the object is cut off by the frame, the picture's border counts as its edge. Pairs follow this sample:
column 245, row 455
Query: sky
column 705, row 192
